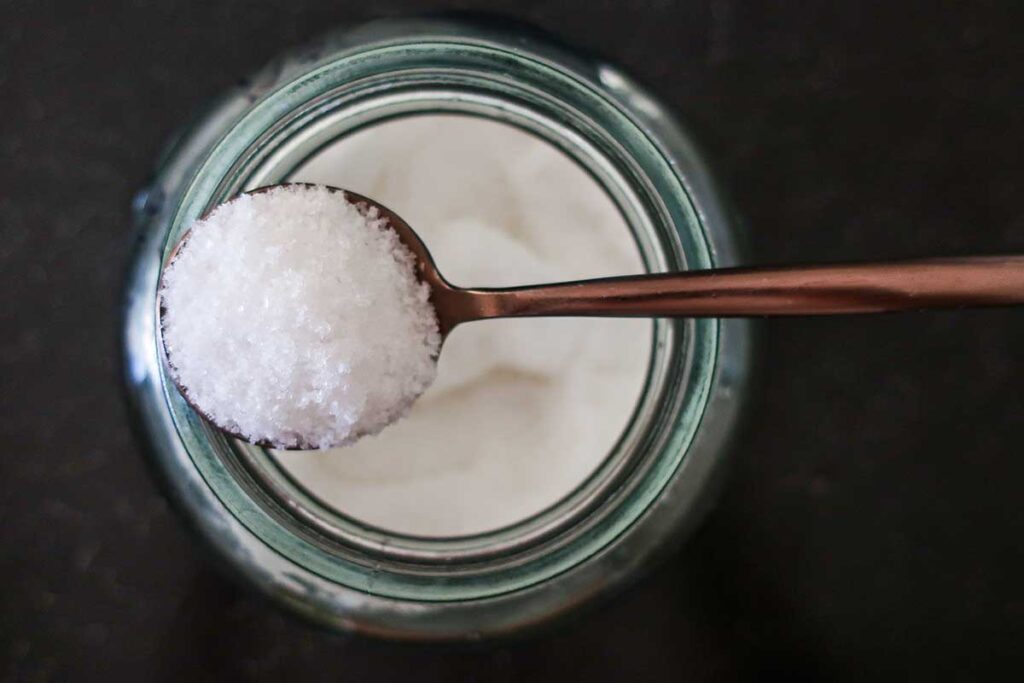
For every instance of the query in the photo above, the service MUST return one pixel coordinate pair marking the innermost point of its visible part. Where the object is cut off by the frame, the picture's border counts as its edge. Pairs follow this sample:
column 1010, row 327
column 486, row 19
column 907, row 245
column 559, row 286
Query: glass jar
column 652, row 487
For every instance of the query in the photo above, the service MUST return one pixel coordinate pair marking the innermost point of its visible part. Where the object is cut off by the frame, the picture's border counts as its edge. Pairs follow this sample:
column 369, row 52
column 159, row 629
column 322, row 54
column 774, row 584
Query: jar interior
column 279, row 135
column 523, row 411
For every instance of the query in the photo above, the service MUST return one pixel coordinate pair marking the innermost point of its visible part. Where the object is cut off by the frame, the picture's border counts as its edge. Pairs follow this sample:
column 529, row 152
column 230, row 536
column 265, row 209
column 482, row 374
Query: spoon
column 727, row 292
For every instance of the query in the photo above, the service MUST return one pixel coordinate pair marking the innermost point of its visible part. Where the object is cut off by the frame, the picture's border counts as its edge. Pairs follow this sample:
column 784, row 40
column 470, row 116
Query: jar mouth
column 350, row 91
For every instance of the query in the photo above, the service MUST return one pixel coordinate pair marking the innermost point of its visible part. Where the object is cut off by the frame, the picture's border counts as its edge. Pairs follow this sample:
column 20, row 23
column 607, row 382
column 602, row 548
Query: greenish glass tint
column 648, row 491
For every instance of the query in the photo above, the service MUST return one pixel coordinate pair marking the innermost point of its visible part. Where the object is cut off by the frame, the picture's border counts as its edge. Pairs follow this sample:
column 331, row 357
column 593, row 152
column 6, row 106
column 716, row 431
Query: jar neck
column 576, row 114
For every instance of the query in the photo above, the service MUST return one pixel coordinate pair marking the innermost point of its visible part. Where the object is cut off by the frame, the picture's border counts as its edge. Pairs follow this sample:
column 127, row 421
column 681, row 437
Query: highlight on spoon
column 296, row 316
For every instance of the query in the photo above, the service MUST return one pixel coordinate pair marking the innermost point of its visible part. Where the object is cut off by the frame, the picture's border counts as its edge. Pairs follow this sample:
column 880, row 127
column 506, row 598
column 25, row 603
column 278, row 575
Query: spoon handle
column 771, row 291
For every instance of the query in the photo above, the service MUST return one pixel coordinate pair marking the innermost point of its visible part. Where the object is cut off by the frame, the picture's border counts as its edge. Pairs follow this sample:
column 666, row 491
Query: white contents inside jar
column 522, row 411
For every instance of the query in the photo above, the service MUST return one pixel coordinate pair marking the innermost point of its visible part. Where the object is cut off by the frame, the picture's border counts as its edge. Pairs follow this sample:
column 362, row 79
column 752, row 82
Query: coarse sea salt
column 293, row 317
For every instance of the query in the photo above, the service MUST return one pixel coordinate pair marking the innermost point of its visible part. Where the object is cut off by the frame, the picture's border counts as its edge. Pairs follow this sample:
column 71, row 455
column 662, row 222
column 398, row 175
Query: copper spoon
column 726, row 292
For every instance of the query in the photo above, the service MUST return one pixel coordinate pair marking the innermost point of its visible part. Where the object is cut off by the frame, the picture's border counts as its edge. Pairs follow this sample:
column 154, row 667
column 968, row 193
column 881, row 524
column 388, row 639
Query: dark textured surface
column 873, row 524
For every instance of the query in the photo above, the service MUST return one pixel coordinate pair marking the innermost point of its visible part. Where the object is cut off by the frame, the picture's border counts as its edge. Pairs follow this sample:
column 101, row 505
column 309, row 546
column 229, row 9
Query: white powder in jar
column 292, row 317
column 522, row 410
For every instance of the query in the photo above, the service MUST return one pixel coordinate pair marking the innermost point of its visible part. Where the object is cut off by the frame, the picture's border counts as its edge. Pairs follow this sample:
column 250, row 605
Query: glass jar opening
column 654, row 475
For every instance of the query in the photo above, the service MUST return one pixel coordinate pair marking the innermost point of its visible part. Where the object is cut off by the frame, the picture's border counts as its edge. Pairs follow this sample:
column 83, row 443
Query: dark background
column 872, row 526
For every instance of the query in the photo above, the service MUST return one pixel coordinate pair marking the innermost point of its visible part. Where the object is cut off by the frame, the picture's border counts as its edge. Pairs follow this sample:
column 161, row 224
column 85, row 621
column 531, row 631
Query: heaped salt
column 295, row 318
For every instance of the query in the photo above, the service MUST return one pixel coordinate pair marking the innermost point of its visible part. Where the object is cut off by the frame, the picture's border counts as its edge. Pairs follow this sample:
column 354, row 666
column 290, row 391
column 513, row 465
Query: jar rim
column 599, row 104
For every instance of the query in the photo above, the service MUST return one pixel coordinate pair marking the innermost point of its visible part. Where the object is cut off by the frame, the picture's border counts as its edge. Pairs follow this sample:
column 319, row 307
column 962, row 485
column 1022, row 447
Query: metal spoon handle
column 781, row 291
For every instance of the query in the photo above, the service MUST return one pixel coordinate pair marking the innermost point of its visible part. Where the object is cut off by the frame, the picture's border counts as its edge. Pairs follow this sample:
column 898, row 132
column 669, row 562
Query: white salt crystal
column 293, row 318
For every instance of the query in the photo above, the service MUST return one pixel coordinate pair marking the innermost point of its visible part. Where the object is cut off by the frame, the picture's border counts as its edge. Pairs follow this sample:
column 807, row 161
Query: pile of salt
column 292, row 317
